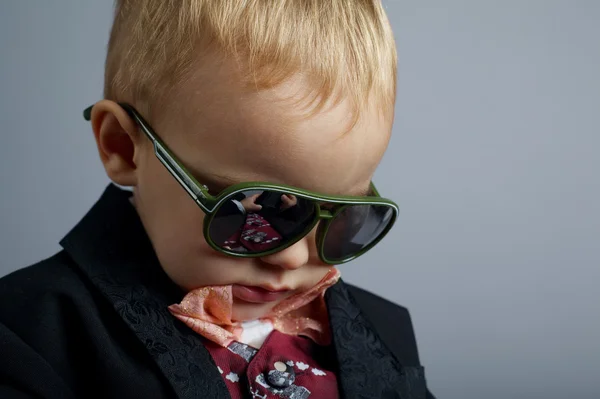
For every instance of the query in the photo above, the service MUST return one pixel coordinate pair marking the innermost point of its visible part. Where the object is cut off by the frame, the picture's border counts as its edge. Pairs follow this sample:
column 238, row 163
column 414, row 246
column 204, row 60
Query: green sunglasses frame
column 210, row 204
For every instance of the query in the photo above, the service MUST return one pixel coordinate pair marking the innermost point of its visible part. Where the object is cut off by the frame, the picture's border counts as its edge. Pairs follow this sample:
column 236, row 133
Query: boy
column 249, row 132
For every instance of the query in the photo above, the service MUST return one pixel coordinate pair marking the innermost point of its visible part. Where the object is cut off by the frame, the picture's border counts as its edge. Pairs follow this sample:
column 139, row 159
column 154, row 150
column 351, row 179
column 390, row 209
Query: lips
column 253, row 294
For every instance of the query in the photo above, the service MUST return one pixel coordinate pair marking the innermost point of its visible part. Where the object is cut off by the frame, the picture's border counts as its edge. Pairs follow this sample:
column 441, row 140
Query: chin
column 244, row 311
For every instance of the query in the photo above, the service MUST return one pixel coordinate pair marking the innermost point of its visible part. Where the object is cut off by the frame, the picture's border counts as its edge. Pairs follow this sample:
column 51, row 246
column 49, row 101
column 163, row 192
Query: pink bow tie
column 207, row 311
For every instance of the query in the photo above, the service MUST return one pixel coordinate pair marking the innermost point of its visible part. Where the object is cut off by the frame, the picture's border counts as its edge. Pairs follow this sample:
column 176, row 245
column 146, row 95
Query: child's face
column 226, row 135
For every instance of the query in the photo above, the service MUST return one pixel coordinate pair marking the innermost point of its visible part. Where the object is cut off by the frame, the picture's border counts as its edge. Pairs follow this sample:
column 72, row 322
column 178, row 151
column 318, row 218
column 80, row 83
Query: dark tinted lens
column 355, row 228
column 256, row 221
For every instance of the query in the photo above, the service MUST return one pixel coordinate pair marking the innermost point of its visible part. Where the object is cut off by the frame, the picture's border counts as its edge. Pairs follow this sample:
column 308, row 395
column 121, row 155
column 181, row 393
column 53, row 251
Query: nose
column 291, row 258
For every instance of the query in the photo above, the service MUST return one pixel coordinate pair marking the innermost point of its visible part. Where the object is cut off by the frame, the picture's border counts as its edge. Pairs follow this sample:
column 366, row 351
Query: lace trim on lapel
column 367, row 368
column 112, row 249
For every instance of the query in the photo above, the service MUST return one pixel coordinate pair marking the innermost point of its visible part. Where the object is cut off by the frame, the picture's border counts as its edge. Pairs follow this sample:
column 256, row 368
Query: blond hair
column 344, row 47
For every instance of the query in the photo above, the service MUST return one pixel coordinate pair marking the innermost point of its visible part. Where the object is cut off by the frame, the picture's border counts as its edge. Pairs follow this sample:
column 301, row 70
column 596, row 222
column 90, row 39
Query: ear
column 118, row 140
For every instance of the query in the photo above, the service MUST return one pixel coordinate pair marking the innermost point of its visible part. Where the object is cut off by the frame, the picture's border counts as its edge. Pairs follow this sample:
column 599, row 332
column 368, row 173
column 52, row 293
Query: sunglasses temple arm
column 87, row 113
column 196, row 191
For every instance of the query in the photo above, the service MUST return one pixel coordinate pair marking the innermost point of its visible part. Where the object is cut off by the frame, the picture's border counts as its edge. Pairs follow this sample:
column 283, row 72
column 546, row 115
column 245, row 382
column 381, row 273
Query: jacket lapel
column 367, row 368
column 111, row 247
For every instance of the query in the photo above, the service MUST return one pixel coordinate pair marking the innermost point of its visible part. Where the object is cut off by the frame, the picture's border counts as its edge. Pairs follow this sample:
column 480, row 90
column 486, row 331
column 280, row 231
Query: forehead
column 228, row 134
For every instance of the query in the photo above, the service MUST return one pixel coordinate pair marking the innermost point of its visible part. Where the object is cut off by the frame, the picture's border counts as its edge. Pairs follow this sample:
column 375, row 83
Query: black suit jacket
column 92, row 321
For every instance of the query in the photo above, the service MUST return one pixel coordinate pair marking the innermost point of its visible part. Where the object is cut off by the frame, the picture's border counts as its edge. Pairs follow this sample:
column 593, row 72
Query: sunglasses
column 258, row 218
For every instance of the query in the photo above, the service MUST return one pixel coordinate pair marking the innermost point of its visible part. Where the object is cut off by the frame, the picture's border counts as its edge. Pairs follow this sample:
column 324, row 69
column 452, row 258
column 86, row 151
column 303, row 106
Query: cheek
column 174, row 224
column 169, row 212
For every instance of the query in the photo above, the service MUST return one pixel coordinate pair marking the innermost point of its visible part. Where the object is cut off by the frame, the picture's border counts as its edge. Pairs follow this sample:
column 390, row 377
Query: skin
column 225, row 134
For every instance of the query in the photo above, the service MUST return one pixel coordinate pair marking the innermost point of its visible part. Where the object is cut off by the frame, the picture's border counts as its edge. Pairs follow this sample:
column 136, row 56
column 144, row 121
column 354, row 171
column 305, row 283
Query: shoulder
column 43, row 297
column 38, row 305
column 391, row 321
column 56, row 274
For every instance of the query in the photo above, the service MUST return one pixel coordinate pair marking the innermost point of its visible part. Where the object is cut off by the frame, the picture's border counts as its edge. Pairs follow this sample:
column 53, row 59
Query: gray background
column 494, row 162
